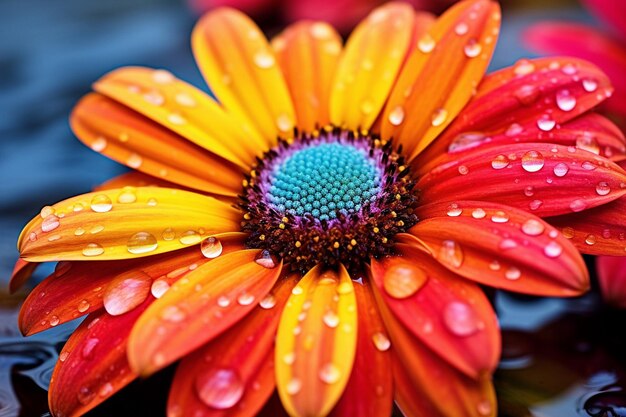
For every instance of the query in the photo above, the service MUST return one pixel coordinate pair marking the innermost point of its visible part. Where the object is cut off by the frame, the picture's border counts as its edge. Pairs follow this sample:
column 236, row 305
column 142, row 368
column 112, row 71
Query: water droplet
column 535, row 204
column 602, row 188
column 46, row 211
column 89, row 347
column 499, row 162
column 101, row 203
column 546, row 123
column 154, row 97
column 367, row 106
column 565, row 100
column 460, row 318
column 568, row 232
column 141, row 242
column 426, row 44
column 50, row 223
column 590, row 240
column 245, row 299
column 569, row 69
column 105, row 390
column 163, row 77
column 126, row 291
column 293, row 386
column 99, row 144
column 589, row 166
column 185, row 100
column 529, row 191
column 269, row 301
column 321, row 30
column 461, row 28
column 403, row 279
column 451, row 253
column 264, row 59
column 523, row 67
column 590, row 85
column 127, row 195
column 220, row 388
column 472, row 49
column 329, row 373
column 552, row 250
column 83, row 306
column 506, row 244
column 63, row 356
column 331, row 319
column 211, row 247
column 85, row 395
column 463, row 170
column 532, row 161
column 134, row 161
column 512, row 273
column 560, row 169
column 168, row 234
column 578, row 205
column 467, row 140
column 381, row 341
column 478, row 213
column 484, row 408
column 93, row 249
column 173, row 314
column 223, row 301
column 284, row 123
column 533, row 227
column 514, row 130
column 454, row 210
column 159, row 287
column 266, row 259
column 396, row 116
column 439, row 117
column 500, row 217
column 527, row 94
column 190, row 237
column 54, row 320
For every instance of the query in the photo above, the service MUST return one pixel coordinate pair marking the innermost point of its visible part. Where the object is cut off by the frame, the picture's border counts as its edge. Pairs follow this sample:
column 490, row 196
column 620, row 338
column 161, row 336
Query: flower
column 605, row 49
column 345, row 204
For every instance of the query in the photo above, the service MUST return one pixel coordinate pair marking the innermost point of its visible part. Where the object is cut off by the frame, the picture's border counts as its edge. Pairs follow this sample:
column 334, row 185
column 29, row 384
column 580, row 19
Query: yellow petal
column 184, row 109
column 240, row 68
column 370, row 63
column 316, row 342
column 124, row 223
column 308, row 53
column 441, row 75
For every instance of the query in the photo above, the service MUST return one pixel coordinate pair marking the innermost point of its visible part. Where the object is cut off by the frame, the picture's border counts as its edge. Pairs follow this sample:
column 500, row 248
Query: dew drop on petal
column 461, row 28
column 220, row 388
column 93, row 249
column 439, row 117
column 381, row 341
column 467, row 140
column 269, row 301
column 125, row 292
column 506, row 244
column 284, row 123
column 85, row 395
column 173, row 314
column 99, row 144
column 141, row 242
column 478, row 213
column 426, row 44
column 223, row 301
column 266, row 259
column 329, row 373
column 46, row 211
column 602, row 188
column 523, row 67
column 460, row 318
column 185, row 100
column 451, row 253
column 264, row 59
column 532, row 161
column 245, row 299
column 101, row 203
column 527, row 94
column 500, row 217
column 54, row 320
column 560, row 169
column 553, row 250
column 396, row 116
column 134, row 160
column 546, row 123
column 590, row 85
column 454, row 210
column 190, row 237
column 589, row 240
column 83, row 306
column 529, row 191
column 294, row 386
column 512, row 273
column 533, row 227
column 168, row 234
column 159, row 287
column 211, row 247
column 105, row 390
column 499, row 162
column 89, row 347
column 472, row 49
column 330, row 319
column 484, row 408
column 578, row 205
column 535, row 204
column 402, row 279
column 50, row 223
column 565, row 100
column 514, row 130
column 127, row 196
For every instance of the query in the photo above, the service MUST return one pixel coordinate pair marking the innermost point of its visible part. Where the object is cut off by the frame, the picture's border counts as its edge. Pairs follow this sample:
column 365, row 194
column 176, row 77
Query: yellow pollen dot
column 394, row 214
column 253, row 174
column 400, row 223
column 281, row 226
column 401, row 168
column 285, row 220
column 376, row 230
column 262, row 237
column 398, row 197
column 244, row 183
column 349, row 247
column 353, row 242
column 384, row 240
column 247, row 216
column 298, row 244
column 336, row 245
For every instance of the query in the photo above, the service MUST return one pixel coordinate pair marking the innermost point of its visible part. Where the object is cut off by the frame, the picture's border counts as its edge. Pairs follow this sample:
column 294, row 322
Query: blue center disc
column 323, row 180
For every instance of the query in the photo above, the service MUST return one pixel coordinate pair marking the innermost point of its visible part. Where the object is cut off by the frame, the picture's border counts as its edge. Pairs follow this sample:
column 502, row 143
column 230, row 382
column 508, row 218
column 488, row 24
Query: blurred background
column 560, row 358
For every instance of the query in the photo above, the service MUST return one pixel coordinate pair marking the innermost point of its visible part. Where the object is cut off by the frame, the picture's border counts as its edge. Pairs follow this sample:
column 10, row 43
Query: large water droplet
column 461, row 28
column 159, row 287
column 83, row 306
column 560, row 169
column 588, row 143
column 512, row 273
column 396, row 116
column 602, row 188
column 101, row 203
column 565, row 100
column 426, row 44
column 527, row 94
column 89, row 347
column 127, row 196
column 546, row 123
column 499, row 162
column 578, row 205
column 85, row 395
column 293, row 386
column 381, row 341
column 125, row 292
column 141, row 242
column 454, row 210
column 50, row 223
column 93, row 249
column 460, row 318
column 532, row 161
column 466, row 141
column 264, row 59
column 403, row 279
column 552, row 250
column 590, row 85
column 190, row 237
column 211, row 247
column 472, row 49
column 523, row 67
column 220, row 388
column 451, row 253
column 439, row 117
column 266, row 259
column 331, row 319
column 533, row 227
column 329, row 373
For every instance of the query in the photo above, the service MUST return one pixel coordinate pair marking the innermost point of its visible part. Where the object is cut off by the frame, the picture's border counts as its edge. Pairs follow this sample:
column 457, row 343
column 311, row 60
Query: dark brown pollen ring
column 350, row 238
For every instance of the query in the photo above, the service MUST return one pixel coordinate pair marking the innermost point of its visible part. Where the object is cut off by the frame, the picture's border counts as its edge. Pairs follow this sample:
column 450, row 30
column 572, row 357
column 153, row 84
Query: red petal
column 501, row 247
column 92, row 365
column 233, row 375
column 448, row 314
column 78, row 288
column 531, row 99
column 426, row 385
column 207, row 302
column 612, row 278
column 610, row 11
column 370, row 388
column 599, row 231
column 539, row 177
column 22, row 271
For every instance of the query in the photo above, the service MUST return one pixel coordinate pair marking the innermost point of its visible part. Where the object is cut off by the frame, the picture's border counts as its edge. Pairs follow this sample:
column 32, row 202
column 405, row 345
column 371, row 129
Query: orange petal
column 502, row 247
column 78, row 288
column 542, row 178
column 135, row 179
column 316, row 342
column 122, row 224
column 233, row 375
column 527, row 102
column 208, row 301
column 92, row 365
column 370, row 388
column 240, row 68
column 369, row 65
column 184, row 109
column 448, row 314
column 426, row 385
column 427, row 98
column 599, row 231
column 128, row 137
column 22, row 271
column 308, row 53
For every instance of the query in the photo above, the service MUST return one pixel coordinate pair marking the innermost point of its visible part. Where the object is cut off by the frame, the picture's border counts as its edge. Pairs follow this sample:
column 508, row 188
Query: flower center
column 330, row 198
column 324, row 180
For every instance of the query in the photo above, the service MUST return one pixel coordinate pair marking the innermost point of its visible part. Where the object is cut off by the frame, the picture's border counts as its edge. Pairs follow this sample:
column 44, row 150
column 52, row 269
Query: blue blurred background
column 50, row 53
